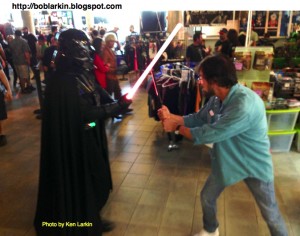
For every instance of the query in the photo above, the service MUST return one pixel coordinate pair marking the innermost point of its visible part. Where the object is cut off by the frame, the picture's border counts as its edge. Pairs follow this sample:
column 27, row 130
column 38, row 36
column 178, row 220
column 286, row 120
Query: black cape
column 75, row 178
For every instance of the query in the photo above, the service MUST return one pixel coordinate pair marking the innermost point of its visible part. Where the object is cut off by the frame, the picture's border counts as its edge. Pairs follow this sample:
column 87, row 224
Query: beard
column 209, row 93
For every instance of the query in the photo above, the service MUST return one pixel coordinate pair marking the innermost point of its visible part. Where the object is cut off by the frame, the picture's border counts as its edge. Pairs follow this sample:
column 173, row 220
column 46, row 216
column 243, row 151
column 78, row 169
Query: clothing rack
column 173, row 87
column 137, row 55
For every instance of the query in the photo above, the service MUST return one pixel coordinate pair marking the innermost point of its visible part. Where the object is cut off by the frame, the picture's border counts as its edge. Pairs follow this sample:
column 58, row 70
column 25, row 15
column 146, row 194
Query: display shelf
column 250, row 74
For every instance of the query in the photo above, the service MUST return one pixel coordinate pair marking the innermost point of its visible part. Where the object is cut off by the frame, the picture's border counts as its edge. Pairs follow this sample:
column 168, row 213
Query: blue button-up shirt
column 238, row 129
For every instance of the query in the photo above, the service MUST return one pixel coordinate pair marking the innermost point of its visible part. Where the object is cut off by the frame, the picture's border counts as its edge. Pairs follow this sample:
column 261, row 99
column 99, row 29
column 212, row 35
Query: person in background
column 75, row 177
column 131, row 29
column 223, row 45
column 2, row 57
column 31, row 40
column 132, row 35
column 253, row 37
column 109, row 58
column 243, row 24
column 5, row 93
column 253, row 34
column 196, row 52
column 242, row 38
column 234, row 121
column 233, row 39
column 115, row 32
column 102, row 33
column 266, row 41
column 21, row 59
column 40, row 49
column 7, row 51
column 54, row 30
column 100, row 67
column 48, row 59
column 94, row 34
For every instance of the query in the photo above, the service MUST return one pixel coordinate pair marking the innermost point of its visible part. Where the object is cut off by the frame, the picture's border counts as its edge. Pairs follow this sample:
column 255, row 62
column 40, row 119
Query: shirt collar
column 230, row 94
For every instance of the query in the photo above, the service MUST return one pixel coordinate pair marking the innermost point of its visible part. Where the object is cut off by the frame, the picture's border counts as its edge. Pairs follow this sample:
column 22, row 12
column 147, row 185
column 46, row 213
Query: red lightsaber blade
column 152, row 63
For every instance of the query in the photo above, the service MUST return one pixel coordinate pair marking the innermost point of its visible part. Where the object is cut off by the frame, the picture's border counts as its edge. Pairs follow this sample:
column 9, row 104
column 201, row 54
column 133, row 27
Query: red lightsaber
column 152, row 63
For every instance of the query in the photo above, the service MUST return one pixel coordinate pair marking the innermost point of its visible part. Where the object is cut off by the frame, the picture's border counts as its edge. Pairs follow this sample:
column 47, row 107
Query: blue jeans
column 263, row 193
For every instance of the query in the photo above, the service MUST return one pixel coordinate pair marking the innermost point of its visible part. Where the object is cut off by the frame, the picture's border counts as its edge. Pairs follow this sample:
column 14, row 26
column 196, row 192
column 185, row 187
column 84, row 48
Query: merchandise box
column 264, row 90
column 281, row 141
column 262, row 60
column 282, row 120
column 260, row 57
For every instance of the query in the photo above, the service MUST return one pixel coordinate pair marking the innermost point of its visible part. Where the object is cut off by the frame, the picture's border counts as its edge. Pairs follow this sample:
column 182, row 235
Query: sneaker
column 119, row 117
column 107, row 225
column 203, row 232
column 3, row 140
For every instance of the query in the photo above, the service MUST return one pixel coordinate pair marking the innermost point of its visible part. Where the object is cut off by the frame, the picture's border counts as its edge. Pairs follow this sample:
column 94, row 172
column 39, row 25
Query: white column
column 89, row 20
column 28, row 21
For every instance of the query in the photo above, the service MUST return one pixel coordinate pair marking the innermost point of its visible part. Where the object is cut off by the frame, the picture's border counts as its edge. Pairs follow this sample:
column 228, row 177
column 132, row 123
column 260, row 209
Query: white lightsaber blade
column 152, row 63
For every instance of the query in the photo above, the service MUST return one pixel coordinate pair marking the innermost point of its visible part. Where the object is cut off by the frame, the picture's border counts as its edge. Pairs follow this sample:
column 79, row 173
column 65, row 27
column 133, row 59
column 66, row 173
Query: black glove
column 124, row 102
column 115, row 108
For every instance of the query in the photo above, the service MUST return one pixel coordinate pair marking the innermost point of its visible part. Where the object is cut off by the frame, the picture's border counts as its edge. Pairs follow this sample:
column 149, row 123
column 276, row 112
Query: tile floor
column 156, row 192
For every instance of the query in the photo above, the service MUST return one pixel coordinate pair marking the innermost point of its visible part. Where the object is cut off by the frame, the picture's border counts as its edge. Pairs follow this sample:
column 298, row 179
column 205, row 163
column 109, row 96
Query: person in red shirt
column 100, row 68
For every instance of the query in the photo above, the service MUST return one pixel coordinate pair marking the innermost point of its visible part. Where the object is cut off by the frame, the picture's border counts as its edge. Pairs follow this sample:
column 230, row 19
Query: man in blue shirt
column 234, row 121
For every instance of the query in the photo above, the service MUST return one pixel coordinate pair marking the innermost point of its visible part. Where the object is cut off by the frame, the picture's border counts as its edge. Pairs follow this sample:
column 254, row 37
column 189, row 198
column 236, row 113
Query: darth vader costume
column 75, row 178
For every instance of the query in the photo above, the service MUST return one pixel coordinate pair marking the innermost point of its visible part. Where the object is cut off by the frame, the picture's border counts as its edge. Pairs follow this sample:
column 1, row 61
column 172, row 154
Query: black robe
column 75, row 178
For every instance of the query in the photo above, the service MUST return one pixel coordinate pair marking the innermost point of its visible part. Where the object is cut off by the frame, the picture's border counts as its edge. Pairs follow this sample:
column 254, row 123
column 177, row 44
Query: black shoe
column 107, row 225
column 3, row 140
column 39, row 116
column 178, row 137
column 26, row 91
column 31, row 88
column 37, row 111
column 126, row 111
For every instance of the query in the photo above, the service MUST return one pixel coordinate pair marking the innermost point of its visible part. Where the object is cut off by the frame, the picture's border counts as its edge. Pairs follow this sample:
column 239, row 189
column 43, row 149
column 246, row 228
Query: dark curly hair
column 219, row 69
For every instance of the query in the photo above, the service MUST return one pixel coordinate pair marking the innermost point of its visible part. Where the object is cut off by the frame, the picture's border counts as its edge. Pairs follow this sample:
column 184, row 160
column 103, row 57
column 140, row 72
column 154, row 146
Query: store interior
column 155, row 191
column 156, row 182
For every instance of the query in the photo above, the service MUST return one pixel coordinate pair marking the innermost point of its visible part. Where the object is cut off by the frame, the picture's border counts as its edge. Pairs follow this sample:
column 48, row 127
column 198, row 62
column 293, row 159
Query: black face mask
column 25, row 33
column 74, row 46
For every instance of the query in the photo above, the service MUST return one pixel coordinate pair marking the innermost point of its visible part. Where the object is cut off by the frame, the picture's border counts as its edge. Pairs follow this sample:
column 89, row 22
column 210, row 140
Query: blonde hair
column 110, row 37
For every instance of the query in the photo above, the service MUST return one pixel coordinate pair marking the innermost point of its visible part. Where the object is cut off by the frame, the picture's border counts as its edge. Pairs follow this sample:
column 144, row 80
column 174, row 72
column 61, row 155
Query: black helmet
column 74, row 47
